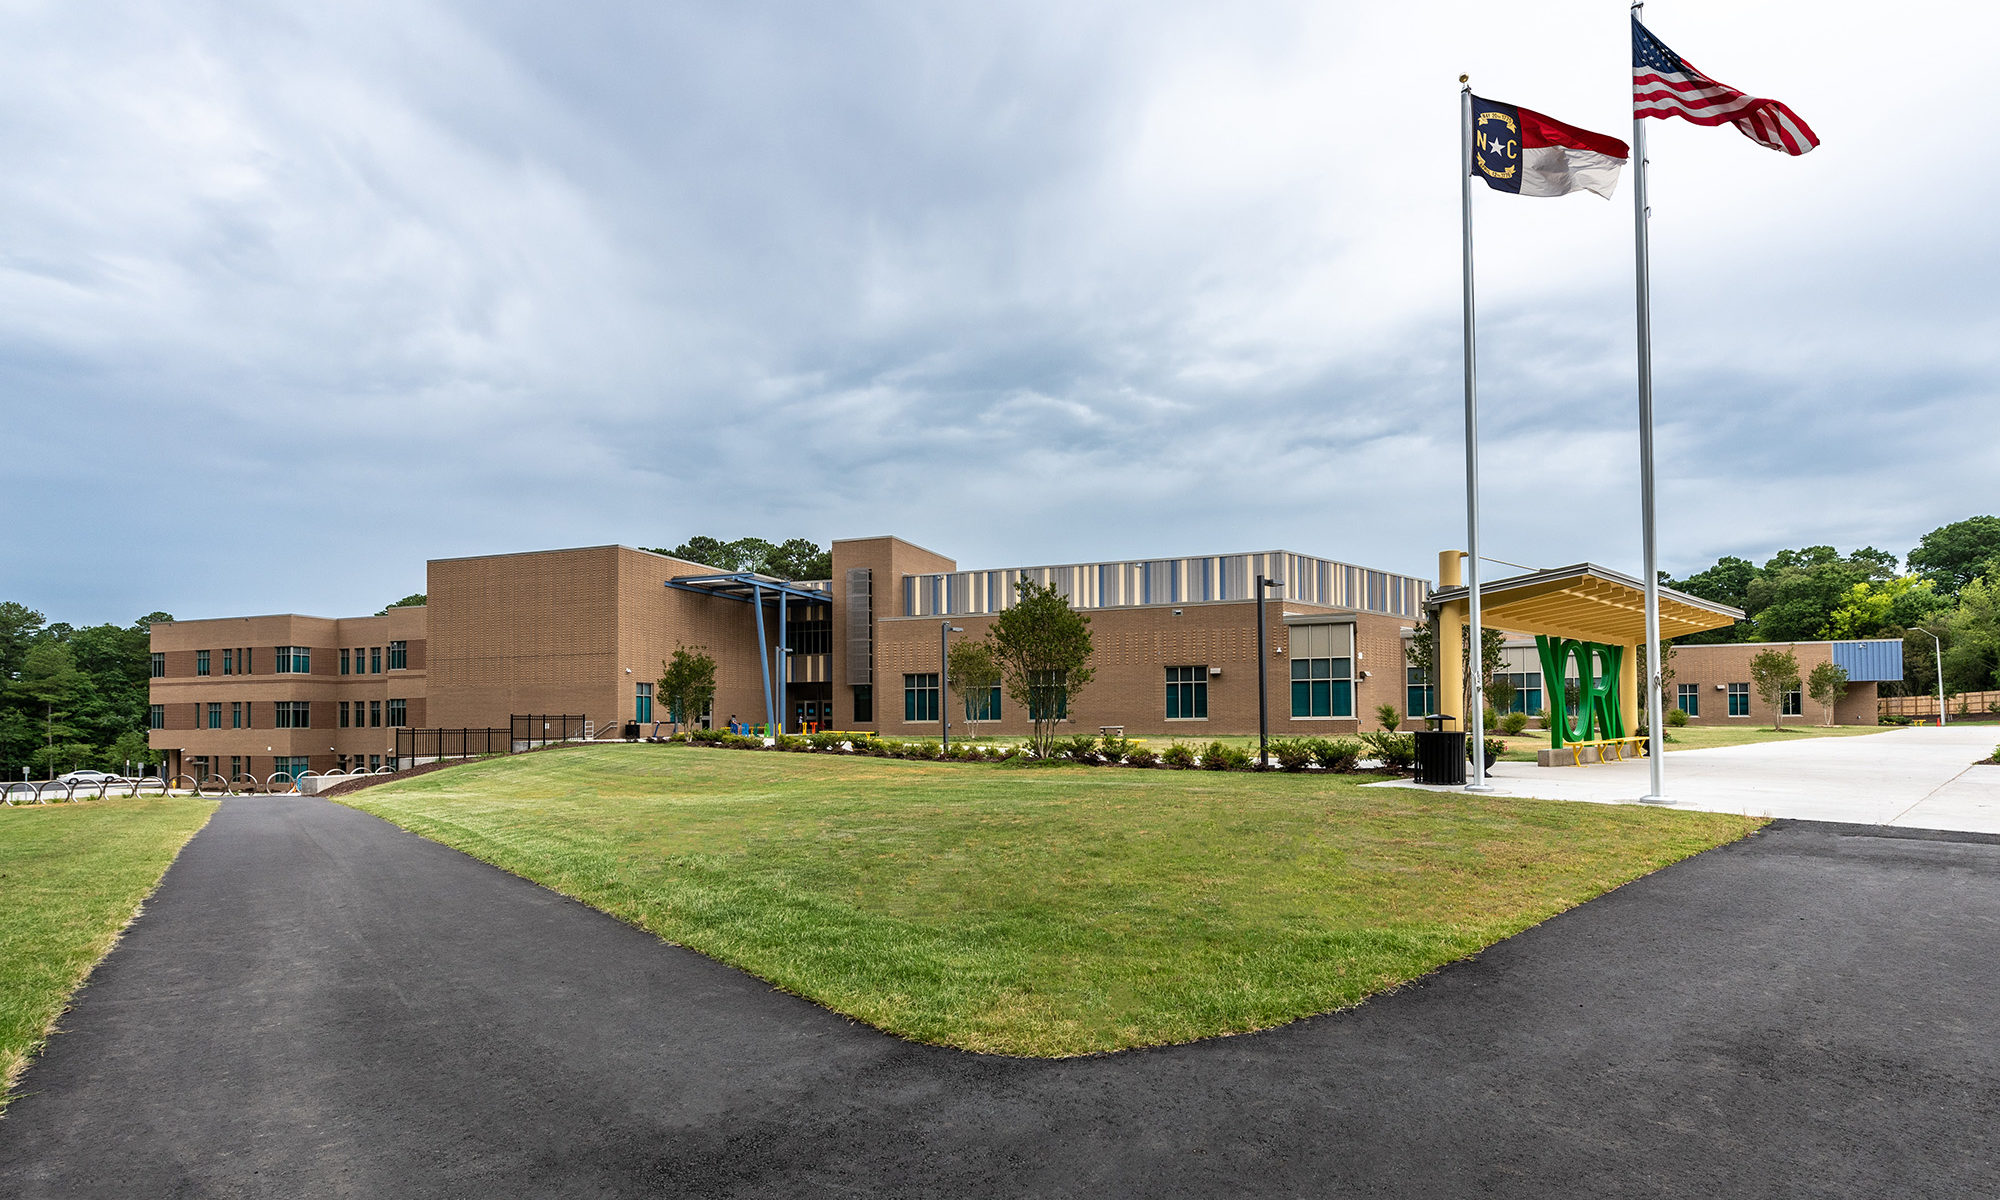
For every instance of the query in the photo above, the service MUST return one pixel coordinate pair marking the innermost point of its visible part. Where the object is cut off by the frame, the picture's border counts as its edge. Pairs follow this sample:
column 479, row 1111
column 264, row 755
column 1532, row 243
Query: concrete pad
column 1919, row 777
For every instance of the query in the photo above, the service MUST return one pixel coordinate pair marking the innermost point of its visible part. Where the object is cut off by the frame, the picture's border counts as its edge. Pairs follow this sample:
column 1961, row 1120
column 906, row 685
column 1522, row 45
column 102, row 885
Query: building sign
column 1593, row 715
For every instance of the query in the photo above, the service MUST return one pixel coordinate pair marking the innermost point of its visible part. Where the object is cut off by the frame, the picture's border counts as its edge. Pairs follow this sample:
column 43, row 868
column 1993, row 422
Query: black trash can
column 631, row 731
column 1441, row 756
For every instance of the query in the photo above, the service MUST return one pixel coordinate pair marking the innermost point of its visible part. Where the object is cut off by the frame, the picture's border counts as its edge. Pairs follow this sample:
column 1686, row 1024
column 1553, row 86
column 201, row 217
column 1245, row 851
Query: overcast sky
column 293, row 298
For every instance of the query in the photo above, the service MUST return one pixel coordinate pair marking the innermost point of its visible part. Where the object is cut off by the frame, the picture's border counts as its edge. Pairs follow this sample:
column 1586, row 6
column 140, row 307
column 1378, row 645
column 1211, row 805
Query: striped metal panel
column 1163, row 581
column 1877, row 660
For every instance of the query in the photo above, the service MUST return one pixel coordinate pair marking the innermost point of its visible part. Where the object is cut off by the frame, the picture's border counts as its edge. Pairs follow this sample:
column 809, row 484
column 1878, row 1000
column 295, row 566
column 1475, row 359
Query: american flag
column 1666, row 85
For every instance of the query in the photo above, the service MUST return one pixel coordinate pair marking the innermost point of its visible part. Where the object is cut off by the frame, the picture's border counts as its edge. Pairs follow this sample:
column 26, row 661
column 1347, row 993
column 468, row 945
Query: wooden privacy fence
column 1976, row 704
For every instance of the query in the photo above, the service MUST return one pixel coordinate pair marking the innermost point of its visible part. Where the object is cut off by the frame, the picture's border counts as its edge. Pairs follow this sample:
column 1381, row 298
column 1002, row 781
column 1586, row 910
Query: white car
column 90, row 777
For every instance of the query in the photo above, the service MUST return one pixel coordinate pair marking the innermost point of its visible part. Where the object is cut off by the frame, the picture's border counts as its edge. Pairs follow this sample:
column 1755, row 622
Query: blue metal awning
column 756, row 590
column 1877, row 660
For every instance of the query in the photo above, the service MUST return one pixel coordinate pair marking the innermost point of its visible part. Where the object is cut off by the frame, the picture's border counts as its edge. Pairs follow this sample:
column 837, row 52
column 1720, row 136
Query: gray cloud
column 292, row 300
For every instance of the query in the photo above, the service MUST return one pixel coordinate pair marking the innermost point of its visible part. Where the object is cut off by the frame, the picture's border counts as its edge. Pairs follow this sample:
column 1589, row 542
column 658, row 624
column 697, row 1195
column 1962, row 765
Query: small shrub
column 1080, row 748
column 1492, row 716
column 1141, row 756
column 1116, row 749
column 824, row 741
column 1336, row 754
column 1219, row 757
column 1677, row 717
column 1390, row 716
column 1895, row 719
column 1293, row 754
column 880, row 747
column 925, row 751
column 1514, row 723
column 1396, row 751
column 1180, row 755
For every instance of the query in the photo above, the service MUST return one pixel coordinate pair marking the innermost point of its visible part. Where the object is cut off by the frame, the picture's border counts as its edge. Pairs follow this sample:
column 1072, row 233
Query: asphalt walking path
column 317, row 1004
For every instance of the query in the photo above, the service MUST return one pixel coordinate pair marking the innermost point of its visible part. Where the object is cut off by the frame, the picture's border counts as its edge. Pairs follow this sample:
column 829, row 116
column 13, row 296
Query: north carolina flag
column 1515, row 150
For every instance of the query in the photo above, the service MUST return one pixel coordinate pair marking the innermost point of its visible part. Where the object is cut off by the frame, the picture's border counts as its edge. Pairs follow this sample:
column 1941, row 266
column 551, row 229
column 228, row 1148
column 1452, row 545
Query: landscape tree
column 1421, row 652
column 1826, row 684
column 795, row 558
column 1043, row 648
column 1972, row 638
column 1773, row 673
column 974, row 675
column 1884, row 608
column 413, row 600
column 1953, row 555
column 686, row 684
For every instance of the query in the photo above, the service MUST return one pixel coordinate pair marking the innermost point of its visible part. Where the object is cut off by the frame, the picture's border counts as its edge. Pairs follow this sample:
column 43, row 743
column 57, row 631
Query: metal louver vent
column 860, row 627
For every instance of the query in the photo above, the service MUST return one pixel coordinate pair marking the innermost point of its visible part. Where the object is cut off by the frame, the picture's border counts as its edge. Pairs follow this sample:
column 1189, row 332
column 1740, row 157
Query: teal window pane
column 1301, row 697
column 1343, row 698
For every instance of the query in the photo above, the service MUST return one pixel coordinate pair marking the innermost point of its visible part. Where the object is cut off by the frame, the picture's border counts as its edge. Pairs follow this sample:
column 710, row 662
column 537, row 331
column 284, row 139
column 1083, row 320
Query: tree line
column 72, row 697
column 1947, row 585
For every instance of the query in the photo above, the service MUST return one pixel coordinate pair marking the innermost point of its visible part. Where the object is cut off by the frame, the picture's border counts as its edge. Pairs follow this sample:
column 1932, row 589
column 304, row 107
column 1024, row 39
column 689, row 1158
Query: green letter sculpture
column 1598, row 666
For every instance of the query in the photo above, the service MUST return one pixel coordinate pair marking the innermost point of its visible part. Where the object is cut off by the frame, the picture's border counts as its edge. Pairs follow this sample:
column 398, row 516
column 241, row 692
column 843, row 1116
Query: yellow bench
column 1605, row 746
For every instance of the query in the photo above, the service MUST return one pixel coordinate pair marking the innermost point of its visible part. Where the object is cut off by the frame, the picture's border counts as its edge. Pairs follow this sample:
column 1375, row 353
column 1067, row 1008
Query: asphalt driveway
column 316, row 1003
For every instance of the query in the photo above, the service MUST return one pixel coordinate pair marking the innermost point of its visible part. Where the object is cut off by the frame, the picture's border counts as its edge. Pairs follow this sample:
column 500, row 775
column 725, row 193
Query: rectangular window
column 293, row 767
column 984, row 708
column 399, row 711
column 1322, row 687
column 294, row 660
column 343, row 714
column 399, row 656
column 343, row 660
column 159, row 665
column 156, row 717
column 228, row 662
column 1791, row 703
column 1689, row 698
column 864, row 704
column 1739, row 699
column 245, row 658
column 236, row 714
column 1419, row 696
column 374, row 762
column 235, row 766
column 1527, row 690
column 920, row 697
column 215, row 716
column 292, row 714
column 809, row 637
column 201, row 662
column 374, row 660
column 375, row 713
column 642, row 705
column 1187, row 693
column 1048, row 696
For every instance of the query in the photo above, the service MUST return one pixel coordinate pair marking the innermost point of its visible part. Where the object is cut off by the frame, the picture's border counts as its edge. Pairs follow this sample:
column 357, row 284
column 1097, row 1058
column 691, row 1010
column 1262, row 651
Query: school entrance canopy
column 757, row 591
column 1584, row 602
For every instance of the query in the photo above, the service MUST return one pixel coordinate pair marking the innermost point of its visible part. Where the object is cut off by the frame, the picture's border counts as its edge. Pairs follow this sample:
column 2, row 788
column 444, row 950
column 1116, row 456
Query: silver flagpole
column 1475, row 651
column 1655, row 737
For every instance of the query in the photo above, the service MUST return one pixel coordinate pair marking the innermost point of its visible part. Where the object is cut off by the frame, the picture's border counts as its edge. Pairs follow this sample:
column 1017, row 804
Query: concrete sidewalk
column 1919, row 777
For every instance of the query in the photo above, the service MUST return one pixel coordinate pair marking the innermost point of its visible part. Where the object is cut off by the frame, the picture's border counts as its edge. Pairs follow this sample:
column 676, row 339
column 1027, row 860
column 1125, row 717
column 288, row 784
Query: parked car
column 90, row 777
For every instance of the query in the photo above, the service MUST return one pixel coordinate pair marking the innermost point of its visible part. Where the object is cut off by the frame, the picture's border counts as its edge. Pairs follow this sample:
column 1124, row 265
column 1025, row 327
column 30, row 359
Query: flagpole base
column 1655, row 798
column 1480, row 787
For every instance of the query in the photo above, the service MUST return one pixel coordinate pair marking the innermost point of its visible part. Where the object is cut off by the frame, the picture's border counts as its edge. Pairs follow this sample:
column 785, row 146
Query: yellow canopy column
column 1448, row 630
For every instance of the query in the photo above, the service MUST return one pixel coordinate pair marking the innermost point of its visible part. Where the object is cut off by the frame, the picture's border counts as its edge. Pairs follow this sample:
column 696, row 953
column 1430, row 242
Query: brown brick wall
column 889, row 559
column 1710, row 665
column 1132, row 647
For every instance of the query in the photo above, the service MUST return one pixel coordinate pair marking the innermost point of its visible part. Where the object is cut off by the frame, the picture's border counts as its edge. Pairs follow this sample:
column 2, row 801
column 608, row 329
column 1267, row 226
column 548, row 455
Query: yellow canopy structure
column 1585, row 601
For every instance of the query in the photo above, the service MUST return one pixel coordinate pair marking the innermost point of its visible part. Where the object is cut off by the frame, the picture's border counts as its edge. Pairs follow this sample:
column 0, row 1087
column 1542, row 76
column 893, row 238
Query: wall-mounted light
column 1177, row 612
column 1215, row 670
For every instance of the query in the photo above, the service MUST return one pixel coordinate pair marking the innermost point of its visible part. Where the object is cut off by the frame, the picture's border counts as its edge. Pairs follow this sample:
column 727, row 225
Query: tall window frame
column 399, row 656
column 1739, row 699
column 920, row 698
column 294, row 660
column 201, row 662
column 1687, row 698
column 1187, row 693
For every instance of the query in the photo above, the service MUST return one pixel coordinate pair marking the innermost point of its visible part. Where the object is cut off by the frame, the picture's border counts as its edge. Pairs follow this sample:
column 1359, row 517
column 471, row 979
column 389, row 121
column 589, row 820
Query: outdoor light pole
column 1263, row 688
column 945, row 630
column 1937, row 647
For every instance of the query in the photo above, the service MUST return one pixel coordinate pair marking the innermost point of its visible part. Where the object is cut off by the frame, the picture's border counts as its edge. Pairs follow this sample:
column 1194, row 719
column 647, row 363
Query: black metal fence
column 414, row 744
column 540, row 729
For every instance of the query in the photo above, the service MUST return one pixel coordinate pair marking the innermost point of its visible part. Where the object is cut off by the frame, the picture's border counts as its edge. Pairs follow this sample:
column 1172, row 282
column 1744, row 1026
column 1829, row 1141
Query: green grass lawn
column 1042, row 911
column 1522, row 748
column 73, row 876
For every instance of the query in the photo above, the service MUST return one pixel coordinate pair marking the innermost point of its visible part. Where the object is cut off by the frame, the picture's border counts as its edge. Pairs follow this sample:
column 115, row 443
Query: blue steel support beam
column 763, row 655
column 784, row 663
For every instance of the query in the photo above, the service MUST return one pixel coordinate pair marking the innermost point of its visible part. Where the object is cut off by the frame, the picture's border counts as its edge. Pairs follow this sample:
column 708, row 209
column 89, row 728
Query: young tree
column 686, row 685
column 1773, row 673
column 974, row 675
column 1422, row 654
column 1043, row 648
column 1826, row 684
